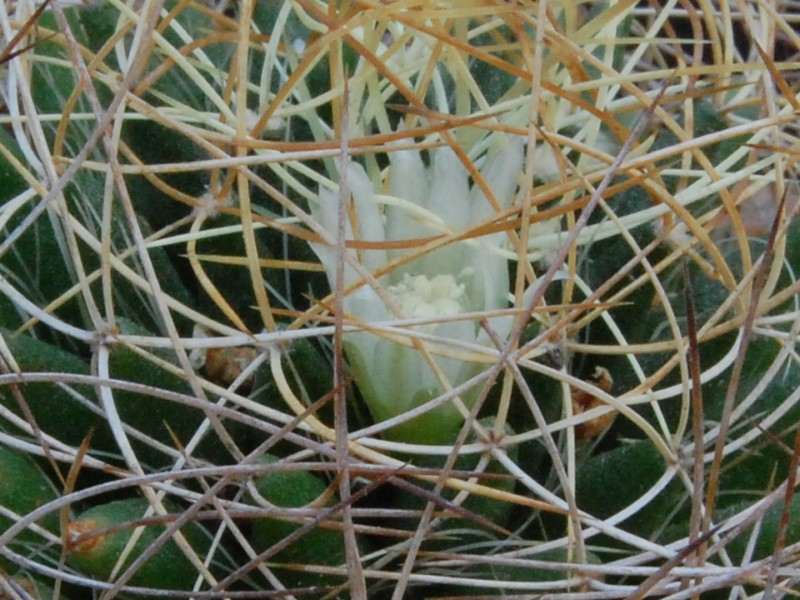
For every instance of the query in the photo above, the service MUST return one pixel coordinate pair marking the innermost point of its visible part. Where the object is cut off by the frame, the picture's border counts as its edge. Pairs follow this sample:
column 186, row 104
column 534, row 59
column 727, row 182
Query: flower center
column 422, row 298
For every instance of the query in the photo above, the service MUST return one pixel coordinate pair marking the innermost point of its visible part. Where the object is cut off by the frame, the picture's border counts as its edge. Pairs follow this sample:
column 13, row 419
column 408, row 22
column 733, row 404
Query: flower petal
column 488, row 287
column 370, row 220
column 490, row 282
column 501, row 175
column 409, row 180
column 449, row 197
column 325, row 212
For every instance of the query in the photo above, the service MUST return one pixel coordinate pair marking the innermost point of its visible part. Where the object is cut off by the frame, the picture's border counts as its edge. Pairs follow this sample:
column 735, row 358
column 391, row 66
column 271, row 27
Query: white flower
column 394, row 378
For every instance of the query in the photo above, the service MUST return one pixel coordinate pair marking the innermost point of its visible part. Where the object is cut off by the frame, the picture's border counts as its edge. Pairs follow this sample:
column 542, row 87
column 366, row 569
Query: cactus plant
column 509, row 287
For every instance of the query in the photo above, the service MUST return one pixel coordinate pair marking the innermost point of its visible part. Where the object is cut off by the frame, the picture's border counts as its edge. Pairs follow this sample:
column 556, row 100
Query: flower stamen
column 419, row 297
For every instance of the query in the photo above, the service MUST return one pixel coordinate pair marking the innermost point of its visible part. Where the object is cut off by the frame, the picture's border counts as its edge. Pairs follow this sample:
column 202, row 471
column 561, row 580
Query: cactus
column 296, row 489
column 98, row 540
column 24, row 488
column 455, row 298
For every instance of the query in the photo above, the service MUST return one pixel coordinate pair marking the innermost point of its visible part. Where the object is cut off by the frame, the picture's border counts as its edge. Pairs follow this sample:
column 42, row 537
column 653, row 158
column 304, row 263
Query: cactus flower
column 460, row 277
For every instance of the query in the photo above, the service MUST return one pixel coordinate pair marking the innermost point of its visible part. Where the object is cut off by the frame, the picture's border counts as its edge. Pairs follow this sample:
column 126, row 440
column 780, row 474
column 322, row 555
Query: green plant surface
column 318, row 546
column 52, row 406
column 23, row 488
column 99, row 538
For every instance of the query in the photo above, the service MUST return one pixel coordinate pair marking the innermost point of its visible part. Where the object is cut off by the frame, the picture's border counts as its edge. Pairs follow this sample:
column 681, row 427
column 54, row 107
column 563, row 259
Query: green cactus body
column 97, row 538
column 611, row 481
column 55, row 411
column 23, row 489
column 552, row 565
column 29, row 587
column 320, row 546
column 497, row 511
column 151, row 415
